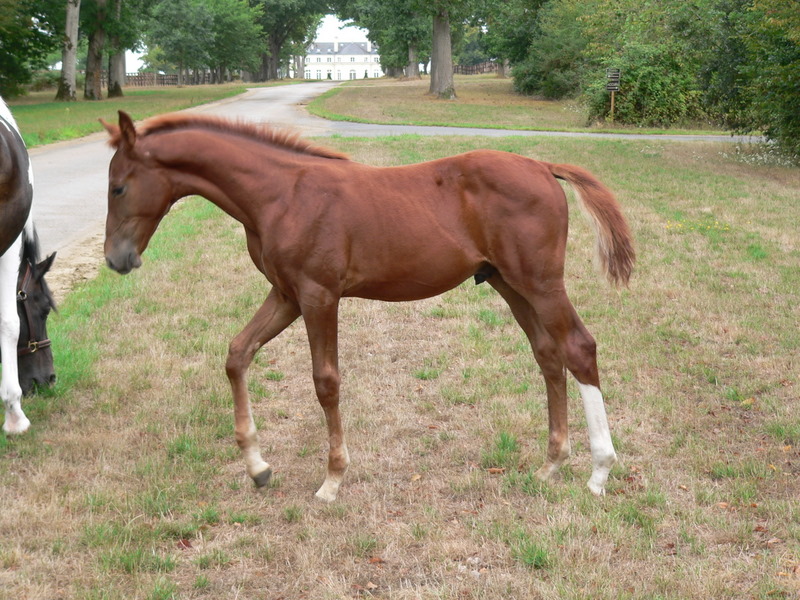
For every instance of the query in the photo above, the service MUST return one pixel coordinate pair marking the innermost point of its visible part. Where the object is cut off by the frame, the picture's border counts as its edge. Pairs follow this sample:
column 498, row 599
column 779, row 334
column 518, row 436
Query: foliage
column 26, row 37
column 284, row 24
column 236, row 34
column 735, row 62
column 393, row 27
column 773, row 71
column 553, row 66
column 183, row 29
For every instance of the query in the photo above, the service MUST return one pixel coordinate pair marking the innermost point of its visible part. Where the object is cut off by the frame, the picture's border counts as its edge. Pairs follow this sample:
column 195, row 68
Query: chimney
column 336, row 45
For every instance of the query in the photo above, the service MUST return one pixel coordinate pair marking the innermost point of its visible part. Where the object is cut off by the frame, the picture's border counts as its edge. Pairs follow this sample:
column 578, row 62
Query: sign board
column 613, row 80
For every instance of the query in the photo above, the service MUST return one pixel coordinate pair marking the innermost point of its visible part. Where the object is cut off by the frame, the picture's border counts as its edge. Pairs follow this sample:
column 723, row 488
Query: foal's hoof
column 263, row 478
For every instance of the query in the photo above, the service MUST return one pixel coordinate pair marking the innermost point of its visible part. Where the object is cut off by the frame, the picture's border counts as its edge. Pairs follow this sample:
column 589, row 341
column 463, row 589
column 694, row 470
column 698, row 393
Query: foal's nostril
column 52, row 379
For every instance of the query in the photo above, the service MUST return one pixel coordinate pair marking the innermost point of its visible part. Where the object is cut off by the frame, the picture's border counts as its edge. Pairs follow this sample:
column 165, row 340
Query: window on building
column 352, row 59
column 319, row 59
column 319, row 74
column 308, row 74
column 352, row 74
column 329, row 59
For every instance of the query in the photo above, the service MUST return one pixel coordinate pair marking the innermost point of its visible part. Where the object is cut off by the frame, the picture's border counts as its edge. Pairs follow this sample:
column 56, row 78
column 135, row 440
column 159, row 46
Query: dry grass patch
column 483, row 101
column 130, row 484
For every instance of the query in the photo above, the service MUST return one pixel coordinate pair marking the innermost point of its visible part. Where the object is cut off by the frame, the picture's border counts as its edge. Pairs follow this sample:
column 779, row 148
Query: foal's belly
column 429, row 279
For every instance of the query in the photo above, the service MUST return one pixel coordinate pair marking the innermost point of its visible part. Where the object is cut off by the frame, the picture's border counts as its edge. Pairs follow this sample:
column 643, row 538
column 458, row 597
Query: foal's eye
column 119, row 190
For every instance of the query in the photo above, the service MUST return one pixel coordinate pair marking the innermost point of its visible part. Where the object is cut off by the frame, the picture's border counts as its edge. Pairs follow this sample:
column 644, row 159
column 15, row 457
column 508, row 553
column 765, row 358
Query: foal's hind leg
column 546, row 353
column 577, row 350
column 275, row 315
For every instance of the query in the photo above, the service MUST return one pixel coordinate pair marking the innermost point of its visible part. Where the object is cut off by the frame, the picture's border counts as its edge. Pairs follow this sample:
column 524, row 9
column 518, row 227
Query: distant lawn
column 44, row 121
column 483, row 101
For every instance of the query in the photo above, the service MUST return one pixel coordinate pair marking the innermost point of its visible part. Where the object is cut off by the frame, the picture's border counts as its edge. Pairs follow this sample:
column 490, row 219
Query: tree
column 283, row 23
column 69, row 53
column 236, row 36
column 400, row 29
column 27, row 30
column 96, row 18
column 445, row 13
column 183, row 29
column 442, row 85
column 116, row 59
column 773, row 71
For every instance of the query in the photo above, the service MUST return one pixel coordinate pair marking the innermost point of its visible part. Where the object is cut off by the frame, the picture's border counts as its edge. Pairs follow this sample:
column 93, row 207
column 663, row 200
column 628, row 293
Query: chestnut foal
column 321, row 227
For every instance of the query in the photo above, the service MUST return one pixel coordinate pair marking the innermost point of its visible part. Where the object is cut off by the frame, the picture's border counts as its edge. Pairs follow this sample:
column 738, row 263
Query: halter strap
column 32, row 345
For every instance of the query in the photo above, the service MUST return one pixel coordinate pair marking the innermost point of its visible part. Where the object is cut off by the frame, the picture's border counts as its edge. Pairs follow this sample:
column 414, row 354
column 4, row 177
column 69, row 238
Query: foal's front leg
column 322, row 325
column 275, row 315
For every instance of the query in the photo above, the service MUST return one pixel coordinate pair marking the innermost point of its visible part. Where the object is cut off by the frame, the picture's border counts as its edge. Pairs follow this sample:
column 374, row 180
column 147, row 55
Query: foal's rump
column 441, row 222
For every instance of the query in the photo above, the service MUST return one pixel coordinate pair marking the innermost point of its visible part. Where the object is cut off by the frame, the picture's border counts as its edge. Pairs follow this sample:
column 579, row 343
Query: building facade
column 341, row 61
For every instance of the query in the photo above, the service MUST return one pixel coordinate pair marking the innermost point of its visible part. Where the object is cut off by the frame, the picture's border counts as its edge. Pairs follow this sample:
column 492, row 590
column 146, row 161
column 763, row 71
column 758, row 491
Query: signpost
column 612, row 86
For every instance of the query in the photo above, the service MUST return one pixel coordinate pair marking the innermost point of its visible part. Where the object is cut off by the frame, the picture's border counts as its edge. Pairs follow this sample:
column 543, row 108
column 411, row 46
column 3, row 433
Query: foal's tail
column 614, row 240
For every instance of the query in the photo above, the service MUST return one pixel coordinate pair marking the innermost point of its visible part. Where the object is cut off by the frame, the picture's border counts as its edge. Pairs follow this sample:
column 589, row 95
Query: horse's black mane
column 30, row 255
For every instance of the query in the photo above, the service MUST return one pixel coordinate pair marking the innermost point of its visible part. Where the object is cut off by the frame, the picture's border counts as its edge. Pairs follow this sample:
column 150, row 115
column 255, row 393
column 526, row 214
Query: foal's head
column 34, row 303
column 139, row 195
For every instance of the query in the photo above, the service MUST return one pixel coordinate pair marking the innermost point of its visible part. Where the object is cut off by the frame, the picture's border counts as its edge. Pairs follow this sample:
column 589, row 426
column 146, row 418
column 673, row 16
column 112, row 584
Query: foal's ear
column 113, row 131
column 127, row 131
column 43, row 267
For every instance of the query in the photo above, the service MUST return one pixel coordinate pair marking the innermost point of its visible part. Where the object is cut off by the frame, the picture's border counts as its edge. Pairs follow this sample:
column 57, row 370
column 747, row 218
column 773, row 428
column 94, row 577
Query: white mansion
column 342, row 60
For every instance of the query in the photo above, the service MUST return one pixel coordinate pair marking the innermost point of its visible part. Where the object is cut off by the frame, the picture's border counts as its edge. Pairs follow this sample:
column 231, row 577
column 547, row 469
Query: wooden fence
column 157, row 79
column 484, row 67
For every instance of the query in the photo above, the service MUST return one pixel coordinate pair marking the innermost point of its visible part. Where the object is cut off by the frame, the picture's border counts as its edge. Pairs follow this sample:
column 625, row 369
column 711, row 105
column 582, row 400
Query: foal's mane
column 286, row 139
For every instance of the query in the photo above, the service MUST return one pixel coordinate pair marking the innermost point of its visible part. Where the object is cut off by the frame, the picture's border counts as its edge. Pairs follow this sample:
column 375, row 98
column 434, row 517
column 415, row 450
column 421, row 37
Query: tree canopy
column 732, row 62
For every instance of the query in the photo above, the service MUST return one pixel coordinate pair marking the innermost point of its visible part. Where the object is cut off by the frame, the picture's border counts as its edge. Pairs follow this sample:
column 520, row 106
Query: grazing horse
column 320, row 227
column 21, row 278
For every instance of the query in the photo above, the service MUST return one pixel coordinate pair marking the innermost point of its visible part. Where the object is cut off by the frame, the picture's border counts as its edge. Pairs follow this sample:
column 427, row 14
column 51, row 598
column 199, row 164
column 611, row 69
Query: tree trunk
column 442, row 58
column 273, row 60
column 116, row 60
column 502, row 68
column 412, row 71
column 116, row 74
column 69, row 53
column 93, row 89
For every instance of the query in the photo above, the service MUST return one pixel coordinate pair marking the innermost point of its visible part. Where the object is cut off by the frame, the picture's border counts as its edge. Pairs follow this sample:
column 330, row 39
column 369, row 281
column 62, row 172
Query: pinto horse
column 25, row 300
column 321, row 227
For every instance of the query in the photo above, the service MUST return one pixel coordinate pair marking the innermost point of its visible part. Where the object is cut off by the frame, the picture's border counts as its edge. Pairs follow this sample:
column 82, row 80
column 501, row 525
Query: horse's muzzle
column 124, row 263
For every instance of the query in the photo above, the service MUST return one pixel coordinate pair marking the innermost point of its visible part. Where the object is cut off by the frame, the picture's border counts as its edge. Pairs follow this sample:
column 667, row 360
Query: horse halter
column 32, row 345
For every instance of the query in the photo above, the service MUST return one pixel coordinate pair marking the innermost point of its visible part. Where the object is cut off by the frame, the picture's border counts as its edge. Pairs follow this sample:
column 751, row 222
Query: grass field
column 130, row 485
column 483, row 101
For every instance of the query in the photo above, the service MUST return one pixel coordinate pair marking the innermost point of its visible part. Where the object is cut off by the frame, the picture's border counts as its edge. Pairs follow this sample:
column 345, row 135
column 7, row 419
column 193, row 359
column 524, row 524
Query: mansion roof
column 342, row 48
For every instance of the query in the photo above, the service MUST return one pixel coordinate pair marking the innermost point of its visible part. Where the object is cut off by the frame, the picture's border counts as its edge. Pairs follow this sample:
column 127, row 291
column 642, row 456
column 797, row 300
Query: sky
column 329, row 30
